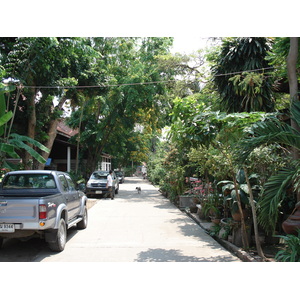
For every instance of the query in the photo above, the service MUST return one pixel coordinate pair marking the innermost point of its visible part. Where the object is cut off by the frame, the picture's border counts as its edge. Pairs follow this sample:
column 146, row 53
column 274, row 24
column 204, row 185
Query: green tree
column 251, row 90
column 132, row 93
column 41, row 64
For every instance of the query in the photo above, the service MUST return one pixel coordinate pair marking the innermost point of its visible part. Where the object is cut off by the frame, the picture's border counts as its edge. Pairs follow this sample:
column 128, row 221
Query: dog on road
column 138, row 188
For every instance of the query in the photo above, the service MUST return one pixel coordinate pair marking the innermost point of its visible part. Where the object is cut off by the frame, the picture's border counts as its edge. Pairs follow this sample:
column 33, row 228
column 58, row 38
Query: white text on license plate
column 7, row 228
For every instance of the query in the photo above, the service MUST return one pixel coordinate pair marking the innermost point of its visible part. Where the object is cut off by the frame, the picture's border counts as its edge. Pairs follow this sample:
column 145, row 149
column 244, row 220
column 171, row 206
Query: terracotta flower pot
column 237, row 215
column 292, row 223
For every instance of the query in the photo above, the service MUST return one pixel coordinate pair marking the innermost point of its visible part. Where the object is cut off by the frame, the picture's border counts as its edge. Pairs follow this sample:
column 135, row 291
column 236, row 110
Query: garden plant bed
column 251, row 255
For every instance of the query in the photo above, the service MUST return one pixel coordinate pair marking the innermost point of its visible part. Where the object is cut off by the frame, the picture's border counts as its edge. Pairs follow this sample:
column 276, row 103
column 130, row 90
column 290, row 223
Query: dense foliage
column 207, row 115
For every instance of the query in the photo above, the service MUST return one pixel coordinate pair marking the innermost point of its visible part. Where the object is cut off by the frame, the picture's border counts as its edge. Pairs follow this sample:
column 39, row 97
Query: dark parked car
column 120, row 175
column 96, row 186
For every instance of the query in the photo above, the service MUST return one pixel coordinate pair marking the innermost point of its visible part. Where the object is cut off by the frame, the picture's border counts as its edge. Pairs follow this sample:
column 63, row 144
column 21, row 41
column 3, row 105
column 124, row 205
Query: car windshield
column 99, row 175
column 118, row 173
column 29, row 181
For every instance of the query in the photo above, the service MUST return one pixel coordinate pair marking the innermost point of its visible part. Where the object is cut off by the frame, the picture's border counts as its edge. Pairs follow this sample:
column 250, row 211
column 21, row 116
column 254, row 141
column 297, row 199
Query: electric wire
column 137, row 83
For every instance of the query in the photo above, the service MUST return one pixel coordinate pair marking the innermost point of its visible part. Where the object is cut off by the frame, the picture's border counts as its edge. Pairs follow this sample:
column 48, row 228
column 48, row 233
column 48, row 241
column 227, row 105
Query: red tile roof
column 66, row 130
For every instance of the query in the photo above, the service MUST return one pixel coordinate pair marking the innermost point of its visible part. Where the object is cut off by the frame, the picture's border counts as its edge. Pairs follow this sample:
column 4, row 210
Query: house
column 63, row 154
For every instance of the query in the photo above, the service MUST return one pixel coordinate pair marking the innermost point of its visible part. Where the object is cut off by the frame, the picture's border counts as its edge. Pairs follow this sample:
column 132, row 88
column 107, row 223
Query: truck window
column 63, row 182
column 29, row 181
column 71, row 184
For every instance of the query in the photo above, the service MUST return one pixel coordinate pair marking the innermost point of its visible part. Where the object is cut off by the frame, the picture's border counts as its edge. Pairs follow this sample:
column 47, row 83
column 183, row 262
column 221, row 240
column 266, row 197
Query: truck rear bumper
column 21, row 234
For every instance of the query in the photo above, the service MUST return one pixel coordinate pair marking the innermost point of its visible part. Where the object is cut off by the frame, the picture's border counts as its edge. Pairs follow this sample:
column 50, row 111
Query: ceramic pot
column 292, row 223
column 237, row 216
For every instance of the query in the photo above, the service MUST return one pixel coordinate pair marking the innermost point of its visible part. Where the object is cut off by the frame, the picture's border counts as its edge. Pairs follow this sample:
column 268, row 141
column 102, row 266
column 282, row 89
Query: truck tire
column 61, row 237
column 1, row 241
column 83, row 223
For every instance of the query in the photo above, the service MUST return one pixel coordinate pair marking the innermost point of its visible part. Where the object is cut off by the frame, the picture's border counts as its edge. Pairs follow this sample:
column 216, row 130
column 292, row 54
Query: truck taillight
column 43, row 211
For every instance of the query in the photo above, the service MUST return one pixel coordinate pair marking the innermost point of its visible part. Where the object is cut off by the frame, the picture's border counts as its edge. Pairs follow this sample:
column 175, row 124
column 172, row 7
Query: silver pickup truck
column 41, row 203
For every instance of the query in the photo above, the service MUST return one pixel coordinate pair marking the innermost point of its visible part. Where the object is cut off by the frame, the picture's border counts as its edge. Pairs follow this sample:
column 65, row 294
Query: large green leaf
column 21, row 145
column 243, row 196
column 10, row 165
column 5, row 118
column 9, row 150
column 240, row 176
column 19, row 140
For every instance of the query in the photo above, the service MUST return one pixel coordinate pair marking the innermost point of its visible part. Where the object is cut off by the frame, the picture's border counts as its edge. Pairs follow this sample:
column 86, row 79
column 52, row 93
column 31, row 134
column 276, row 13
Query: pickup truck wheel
column 83, row 223
column 61, row 237
column 1, row 241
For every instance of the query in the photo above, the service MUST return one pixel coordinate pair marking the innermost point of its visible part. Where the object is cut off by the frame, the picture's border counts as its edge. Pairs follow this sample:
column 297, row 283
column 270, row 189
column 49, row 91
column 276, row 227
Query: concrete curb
column 241, row 254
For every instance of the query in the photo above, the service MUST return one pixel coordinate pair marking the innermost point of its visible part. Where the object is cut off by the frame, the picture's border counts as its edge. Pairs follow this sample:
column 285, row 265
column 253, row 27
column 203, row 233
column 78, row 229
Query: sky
column 188, row 44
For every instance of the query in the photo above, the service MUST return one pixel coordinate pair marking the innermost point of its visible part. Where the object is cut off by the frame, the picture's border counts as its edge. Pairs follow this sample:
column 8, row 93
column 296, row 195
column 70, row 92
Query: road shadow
column 18, row 250
column 172, row 255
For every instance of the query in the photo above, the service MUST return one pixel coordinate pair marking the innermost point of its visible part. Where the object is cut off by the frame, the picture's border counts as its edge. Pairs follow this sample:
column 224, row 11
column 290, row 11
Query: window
column 63, row 182
column 29, row 181
column 71, row 184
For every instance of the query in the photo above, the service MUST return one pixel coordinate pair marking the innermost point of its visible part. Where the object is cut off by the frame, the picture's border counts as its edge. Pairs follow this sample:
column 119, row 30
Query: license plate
column 98, row 192
column 7, row 228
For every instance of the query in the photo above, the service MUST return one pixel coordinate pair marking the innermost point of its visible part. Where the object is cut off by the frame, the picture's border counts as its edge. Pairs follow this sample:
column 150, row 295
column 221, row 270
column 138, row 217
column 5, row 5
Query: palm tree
column 274, row 131
column 239, row 55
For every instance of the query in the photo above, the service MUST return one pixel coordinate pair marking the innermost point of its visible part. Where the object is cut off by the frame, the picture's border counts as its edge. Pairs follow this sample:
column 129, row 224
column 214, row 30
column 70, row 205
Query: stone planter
column 186, row 201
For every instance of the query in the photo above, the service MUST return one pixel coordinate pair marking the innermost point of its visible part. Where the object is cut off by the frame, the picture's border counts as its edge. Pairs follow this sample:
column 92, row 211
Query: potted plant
column 213, row 207
column 227, row 225
column 230, row 191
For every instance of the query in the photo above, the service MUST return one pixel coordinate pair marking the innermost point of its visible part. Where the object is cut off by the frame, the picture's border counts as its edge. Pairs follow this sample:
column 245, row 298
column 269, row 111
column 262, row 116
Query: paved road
column 133, row 227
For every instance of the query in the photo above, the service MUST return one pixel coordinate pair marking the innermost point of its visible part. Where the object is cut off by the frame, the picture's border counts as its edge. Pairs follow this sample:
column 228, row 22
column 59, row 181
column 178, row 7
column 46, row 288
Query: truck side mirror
column 81, row 187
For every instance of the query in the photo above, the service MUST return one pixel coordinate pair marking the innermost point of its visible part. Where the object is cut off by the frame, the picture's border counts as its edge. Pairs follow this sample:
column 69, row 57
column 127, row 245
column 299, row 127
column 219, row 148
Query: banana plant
column 10, row 143
column 230, row 191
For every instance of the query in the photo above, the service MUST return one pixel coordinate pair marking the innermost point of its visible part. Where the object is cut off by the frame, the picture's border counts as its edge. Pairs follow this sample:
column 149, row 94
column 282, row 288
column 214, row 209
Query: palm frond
column 272, row 196
column 269, row 132
column 296, row 177
column 295, row 111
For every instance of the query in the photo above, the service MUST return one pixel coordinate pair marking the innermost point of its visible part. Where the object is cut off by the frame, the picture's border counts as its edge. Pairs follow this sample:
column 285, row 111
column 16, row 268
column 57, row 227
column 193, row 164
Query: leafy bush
column 291, row 253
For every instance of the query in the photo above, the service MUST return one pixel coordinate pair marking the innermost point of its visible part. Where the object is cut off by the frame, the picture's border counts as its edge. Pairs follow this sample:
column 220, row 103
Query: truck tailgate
column 18, row 210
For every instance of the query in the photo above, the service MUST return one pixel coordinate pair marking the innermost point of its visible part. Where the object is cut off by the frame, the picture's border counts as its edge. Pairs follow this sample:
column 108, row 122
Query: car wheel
column 61, row 237
column 83, row 223
column 117, row 190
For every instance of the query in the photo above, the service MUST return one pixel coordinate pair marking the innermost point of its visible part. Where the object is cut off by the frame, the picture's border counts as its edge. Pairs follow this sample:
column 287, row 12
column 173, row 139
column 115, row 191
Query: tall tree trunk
column 292, row 59
column 31, row 127
column 253, row 208
column 243, row 224
column 78, row 141
column 52, row 132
